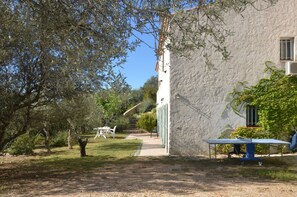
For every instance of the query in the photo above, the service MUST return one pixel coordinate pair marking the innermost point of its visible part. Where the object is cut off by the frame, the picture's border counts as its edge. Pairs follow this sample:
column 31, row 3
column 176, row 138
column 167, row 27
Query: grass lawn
column 99, row 151
column 64, row 161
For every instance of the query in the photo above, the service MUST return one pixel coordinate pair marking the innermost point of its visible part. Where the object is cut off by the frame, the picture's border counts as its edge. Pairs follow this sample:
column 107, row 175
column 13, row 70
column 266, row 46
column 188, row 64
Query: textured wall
column 163, row 94
column 197, row 113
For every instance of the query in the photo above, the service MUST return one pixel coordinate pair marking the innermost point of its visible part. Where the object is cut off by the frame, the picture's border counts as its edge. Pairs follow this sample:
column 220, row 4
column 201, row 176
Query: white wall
column 197, row 113
column 163, row 94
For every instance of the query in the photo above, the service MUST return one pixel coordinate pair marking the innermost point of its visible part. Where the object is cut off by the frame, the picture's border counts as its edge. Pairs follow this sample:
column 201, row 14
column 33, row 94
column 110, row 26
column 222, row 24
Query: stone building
column 191, row 97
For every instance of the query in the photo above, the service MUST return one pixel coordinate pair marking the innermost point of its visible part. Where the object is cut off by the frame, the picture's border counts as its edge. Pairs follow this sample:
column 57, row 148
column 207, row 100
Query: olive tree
column 51, row 50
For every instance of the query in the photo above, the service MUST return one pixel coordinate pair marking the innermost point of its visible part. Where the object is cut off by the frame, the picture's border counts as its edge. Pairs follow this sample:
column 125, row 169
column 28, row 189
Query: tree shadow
column 120, row 146
column 104, row 174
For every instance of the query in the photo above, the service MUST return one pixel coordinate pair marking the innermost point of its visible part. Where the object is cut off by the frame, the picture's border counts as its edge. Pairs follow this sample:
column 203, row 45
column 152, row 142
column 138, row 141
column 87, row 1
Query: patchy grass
column 274, row 169
column 282, row 174
column 110, row 166
column 63, row 162
column 99, row 151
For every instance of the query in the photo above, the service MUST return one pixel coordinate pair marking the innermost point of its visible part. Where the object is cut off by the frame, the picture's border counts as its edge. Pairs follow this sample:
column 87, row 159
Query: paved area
column 151, row 146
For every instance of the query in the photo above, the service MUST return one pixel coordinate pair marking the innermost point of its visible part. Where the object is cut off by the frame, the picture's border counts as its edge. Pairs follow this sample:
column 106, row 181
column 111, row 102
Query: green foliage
column 253, row 132
column 54, row 51
column 122, row 123
column 248, row 132
column 150, row 89
column 112, row 104
column 146, row 105
column 276, row 98
column 39, row 140
column 23, row 145
column 147, row 121
column 59, row 140
column 80, row 111
column 136, row 97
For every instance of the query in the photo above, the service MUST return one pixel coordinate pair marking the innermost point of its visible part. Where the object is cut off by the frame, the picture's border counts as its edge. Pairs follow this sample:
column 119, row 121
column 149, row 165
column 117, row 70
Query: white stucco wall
column 196, row 114
column 163, row 94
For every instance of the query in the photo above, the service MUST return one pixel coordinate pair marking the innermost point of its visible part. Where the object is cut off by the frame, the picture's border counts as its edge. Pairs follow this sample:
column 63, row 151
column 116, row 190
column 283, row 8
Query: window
column 251, row 116
column 287, row 49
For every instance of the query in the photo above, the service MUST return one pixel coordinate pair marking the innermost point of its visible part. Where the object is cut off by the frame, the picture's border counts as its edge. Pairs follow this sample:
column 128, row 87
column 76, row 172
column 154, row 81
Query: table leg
column 281, row 152
column 103, row 133
column 97, row 135
column 209, row 151
column 215, row 151
column 250, row 153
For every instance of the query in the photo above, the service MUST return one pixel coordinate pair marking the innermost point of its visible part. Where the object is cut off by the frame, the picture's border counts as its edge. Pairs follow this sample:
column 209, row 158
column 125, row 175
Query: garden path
column 151, row 145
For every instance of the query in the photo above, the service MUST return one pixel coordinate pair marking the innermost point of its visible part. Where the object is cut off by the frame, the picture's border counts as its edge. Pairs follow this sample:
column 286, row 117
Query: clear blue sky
column 140, row 64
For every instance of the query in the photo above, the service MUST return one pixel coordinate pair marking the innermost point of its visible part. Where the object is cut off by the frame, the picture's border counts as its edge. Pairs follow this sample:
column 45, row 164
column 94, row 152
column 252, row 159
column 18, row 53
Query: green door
column 162, row 123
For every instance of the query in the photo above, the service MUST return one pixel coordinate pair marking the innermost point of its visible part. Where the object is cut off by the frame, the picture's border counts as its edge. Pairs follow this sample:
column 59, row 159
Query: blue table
column 250, row 146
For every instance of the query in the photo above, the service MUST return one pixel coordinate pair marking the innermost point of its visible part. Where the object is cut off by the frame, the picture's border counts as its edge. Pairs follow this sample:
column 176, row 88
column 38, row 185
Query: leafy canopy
column 150, row 88
column 276, row 98
column 55, row 50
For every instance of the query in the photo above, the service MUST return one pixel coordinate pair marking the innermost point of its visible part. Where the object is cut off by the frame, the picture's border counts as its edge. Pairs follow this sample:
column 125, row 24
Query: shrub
column 253, row 132
column 59, row 140
column 147, row 121
column 39, row 140
column 122, row 123
column 146, row 106
column 23, row 145
column 248, row 132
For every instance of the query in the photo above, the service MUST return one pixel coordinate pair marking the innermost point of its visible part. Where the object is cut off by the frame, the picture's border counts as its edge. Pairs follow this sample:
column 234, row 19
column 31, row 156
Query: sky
column 140, row 64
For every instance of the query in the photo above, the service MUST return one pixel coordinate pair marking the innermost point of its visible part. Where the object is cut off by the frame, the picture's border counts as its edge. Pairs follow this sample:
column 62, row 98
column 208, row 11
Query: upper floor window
column 287, row 49
column 251, row 116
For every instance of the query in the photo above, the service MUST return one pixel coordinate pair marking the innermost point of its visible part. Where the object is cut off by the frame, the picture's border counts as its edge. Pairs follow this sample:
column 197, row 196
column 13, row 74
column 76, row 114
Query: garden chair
column 112, row 131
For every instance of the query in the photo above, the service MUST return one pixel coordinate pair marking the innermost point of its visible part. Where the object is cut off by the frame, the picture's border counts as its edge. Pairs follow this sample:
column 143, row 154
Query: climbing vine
column 276, row 98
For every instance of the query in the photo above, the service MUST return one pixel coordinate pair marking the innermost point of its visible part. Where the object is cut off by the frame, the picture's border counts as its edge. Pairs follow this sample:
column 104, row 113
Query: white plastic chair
column 97, row 132
column 112, row 131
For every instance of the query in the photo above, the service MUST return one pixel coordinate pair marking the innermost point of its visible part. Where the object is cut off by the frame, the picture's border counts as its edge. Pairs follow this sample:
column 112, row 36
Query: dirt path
column 147, row 177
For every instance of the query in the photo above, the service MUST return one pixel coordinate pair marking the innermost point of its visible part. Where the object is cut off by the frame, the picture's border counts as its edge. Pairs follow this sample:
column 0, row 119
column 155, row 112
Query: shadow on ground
column 178, row 176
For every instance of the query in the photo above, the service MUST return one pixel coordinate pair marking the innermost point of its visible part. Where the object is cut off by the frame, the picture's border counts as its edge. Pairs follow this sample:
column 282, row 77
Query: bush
column 59, row 140
column 253, row 132
column 122, row 123
column 248, row 132
column 147, row 121
column 23, row 145
column 39, row 140
column 146, row 106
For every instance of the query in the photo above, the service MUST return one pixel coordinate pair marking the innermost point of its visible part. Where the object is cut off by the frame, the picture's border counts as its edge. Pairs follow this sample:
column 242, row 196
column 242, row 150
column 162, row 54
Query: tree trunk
column 71, row 131
column 47, row 140
column 82, row 144
column 4, row 141
column 69, row 139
